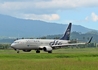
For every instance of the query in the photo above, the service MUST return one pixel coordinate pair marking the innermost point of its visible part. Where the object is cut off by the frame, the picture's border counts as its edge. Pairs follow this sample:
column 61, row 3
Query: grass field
column 61, row 59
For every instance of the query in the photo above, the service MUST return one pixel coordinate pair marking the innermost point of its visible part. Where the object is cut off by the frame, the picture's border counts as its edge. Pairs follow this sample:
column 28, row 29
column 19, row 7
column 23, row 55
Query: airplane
column 46, row 45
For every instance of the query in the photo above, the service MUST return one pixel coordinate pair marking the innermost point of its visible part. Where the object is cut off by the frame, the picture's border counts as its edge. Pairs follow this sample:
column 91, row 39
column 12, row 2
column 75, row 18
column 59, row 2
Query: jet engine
column 26, row 50
column 47, row 49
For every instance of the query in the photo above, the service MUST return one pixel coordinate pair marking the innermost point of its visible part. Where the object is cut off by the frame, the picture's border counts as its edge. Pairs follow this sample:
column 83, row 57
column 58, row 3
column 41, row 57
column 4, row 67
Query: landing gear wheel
column 17, row 51
column 37, row 51
column 49, row 51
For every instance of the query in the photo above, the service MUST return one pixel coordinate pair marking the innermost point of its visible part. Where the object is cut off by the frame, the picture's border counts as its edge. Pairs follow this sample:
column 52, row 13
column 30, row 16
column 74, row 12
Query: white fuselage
column 34, row 44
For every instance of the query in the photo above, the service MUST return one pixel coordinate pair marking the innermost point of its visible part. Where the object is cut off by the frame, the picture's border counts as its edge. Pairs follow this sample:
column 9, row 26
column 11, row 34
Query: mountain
column 15, row 27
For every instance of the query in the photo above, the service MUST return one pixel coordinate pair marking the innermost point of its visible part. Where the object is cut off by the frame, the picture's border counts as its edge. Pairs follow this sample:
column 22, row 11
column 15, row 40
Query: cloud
column 42, row 8
column 94, row 17
column 44, row 17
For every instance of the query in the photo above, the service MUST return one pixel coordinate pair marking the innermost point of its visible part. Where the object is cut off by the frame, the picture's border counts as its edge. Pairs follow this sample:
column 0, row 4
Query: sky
column 79, row 12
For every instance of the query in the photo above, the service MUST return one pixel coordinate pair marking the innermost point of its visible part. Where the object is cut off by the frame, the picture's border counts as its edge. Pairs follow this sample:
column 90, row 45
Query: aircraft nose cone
column 12, row 45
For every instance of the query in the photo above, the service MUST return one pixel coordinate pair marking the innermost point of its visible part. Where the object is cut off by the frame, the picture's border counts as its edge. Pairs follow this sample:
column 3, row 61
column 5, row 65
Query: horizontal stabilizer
column 90, row 40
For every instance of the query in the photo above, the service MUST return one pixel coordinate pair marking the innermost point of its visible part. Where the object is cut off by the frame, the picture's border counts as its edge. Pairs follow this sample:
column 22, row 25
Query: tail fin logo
column 68, row 32
column 55, row 43
column 66, row 36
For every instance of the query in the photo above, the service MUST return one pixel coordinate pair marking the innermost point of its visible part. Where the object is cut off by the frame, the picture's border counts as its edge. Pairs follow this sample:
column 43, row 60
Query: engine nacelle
column 26, row 50
column 47, row 48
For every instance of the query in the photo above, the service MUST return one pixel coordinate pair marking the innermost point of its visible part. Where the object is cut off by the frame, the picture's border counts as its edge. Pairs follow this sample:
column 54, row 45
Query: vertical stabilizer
column 66, row 35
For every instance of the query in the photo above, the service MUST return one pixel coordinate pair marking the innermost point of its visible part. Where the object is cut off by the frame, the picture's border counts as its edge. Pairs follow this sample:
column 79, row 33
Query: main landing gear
column 17, row 50
column 49, row 51
column 37, row 51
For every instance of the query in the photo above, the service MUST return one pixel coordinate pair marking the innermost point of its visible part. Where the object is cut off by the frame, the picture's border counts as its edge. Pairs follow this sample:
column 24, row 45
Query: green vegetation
column 61, row 59
column 84, row 37
column 5, row 46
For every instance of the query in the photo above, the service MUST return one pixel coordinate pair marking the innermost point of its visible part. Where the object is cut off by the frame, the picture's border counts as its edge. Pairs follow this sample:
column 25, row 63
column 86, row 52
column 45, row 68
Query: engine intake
column 47, row 48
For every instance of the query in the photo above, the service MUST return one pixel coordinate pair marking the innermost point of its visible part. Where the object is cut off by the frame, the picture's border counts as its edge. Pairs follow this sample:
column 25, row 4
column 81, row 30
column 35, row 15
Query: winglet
column 90, row 40
column 66, row 36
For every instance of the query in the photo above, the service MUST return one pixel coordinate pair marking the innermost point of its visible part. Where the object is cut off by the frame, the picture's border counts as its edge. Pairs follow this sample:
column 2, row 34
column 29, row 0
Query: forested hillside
column 78, row 36
column 15, row 27
column 74, row 36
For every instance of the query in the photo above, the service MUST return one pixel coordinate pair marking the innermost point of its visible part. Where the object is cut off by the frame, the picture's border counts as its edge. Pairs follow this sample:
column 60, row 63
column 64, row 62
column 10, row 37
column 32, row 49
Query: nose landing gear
column 17, row 50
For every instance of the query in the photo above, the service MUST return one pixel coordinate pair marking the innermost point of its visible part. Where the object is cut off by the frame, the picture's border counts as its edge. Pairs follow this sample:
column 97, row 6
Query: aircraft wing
column 73, row 44
column 69, row 44
column 41, row 47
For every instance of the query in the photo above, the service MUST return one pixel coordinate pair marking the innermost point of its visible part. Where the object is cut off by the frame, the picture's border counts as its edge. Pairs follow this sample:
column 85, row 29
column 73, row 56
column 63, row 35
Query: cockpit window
column 16, row 42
